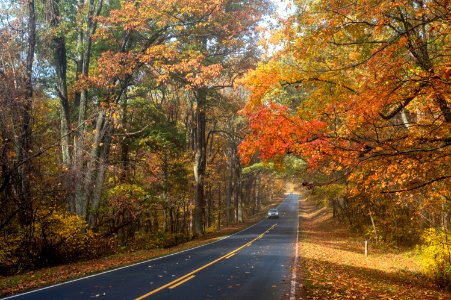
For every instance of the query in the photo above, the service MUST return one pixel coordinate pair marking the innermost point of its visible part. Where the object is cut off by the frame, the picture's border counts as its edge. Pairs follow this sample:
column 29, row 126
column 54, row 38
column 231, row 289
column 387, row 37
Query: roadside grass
column 58, row 274
column 332, row 264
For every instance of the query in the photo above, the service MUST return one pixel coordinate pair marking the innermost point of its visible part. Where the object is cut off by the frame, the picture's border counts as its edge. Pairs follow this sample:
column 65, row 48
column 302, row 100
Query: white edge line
column 128, row 266
column 295, row 263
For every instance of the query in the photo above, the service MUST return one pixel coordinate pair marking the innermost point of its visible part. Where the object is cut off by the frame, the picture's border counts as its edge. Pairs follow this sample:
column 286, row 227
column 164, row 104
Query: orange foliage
column 370, row 95
column 166, row 37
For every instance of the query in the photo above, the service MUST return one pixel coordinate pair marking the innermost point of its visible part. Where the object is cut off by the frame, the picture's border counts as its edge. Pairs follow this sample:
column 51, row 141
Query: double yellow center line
column 181, row 280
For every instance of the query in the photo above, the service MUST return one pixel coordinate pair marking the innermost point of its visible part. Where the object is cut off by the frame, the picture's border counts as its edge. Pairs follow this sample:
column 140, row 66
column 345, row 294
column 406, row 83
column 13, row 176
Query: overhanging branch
column 417, row 186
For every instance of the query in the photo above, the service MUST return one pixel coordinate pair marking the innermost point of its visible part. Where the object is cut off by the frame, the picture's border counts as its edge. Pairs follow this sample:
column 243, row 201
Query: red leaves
column 275, row 133
column 380, row 100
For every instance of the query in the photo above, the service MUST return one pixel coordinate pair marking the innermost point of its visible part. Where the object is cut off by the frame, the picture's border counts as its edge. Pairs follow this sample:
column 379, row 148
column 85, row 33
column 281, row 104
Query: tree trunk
column 97, row 165
column 24, row 145
column 60, row 61
column 210, row 217
column 237, row 186
column 124, row 143
column 100, row 176
column 199, row 163
column 219, row 206
column 229, row 188
column 84, row 44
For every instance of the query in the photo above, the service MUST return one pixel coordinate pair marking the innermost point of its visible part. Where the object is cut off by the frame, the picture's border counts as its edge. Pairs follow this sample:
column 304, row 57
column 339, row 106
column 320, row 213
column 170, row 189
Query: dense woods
column 119, row 125
column 143, row 124
column 361, row 91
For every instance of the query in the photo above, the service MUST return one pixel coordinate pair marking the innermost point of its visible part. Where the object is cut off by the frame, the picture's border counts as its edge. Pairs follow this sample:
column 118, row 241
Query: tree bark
column 84, row 186
column 84, row 44
column 101, row 170
column 60, row 62
column 199, row 162
column 219, row 205
column 24, row 146
column 229, row 188
column 237, row 189
column 96, row 169
column 124, row 143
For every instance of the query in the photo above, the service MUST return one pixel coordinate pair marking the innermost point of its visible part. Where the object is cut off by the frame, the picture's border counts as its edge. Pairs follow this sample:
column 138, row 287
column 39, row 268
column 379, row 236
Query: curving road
column 252, row 264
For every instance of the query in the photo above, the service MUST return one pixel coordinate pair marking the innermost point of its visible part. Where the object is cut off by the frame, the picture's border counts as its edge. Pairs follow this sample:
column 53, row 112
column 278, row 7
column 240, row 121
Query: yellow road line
column 181, row 282
column 190, row 275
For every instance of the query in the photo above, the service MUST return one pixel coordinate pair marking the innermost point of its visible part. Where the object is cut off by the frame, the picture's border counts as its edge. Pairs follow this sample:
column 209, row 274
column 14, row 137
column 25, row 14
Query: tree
column 17, row 98
column 196, row 43
column 120, row 126
column 369, row 84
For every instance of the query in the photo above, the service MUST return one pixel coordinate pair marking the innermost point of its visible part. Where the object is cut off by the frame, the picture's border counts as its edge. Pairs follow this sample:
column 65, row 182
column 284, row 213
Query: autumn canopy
column 360, row 88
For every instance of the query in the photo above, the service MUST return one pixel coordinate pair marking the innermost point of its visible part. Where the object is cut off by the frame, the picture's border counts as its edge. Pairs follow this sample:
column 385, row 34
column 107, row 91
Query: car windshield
column 273, row 210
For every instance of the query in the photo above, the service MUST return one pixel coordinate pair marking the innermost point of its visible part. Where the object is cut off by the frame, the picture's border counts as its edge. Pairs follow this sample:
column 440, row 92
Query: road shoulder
column 332, row 264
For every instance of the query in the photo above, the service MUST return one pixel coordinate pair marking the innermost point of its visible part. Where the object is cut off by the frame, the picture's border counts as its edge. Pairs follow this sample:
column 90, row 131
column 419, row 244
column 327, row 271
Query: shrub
column 148, row 241
column 124, row 205
column 9, row 248
column 326, row 194
column 55, row 237
column 61, row 237
column 436, row 255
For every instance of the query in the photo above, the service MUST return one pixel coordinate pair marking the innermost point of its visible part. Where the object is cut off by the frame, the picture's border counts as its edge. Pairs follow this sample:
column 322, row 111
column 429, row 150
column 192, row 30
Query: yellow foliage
column 55, row 237
column 436, row 255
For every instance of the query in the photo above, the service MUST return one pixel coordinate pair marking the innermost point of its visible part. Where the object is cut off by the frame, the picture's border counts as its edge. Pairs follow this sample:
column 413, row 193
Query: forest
column 143, row 124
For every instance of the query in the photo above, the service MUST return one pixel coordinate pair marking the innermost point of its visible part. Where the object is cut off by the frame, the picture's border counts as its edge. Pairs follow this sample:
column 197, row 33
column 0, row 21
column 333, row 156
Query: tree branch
column 418, row 186
column 321, row 80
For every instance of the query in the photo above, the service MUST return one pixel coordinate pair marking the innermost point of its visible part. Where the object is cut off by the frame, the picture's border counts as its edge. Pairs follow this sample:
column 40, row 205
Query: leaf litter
column 332, row 264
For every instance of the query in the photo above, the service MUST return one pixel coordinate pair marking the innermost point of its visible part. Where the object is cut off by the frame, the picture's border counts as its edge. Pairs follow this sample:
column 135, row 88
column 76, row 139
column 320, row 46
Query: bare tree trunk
column 156, row 223
column 374, row 225
column 85, row 39
column 229, row 188
column 124, row 143
column 24, row 145
column 97, row 165
column 219, row 206
column 100, row 176
column 185, row 219
column 79, row 55
column 210, row 217
column 60, row 61
column 199, row 163
column 257, row 194
column 237, row 186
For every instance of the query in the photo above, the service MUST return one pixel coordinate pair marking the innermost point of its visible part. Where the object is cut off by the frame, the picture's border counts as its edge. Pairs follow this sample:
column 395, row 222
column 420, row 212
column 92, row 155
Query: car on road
column 273, row 213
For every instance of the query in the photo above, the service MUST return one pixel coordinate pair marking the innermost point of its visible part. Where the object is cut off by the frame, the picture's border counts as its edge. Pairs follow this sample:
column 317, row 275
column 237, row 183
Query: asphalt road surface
column 252, row 264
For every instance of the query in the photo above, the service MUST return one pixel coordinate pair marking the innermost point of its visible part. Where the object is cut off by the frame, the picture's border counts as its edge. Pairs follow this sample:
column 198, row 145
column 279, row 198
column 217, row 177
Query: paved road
column 252, row 264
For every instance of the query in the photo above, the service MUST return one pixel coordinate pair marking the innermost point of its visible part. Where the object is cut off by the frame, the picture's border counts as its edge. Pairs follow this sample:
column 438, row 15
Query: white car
column 273, row 213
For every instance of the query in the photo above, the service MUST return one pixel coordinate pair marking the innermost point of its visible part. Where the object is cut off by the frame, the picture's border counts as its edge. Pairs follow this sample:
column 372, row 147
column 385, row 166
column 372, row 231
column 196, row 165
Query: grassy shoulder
column 53, row 275
column 332, row 264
